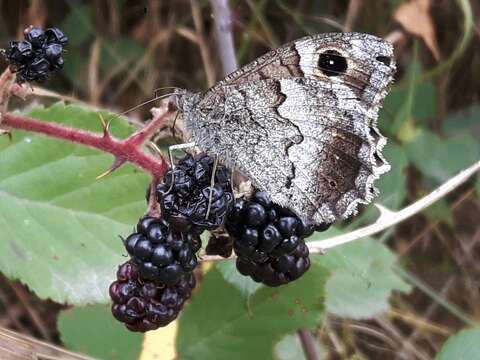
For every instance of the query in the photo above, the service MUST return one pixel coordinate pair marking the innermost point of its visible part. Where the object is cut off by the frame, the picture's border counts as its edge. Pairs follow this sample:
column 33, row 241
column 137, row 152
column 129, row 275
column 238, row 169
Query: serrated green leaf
column 438, row 159
column 362, row 278
column 465, row 345
column 216, row 324
column 59, row 226
column 290, row 348
column 80, row 328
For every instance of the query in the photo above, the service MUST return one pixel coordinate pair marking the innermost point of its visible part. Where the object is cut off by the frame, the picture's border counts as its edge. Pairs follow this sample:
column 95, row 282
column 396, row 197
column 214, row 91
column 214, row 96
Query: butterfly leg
column 212, row 183
column 170, row 159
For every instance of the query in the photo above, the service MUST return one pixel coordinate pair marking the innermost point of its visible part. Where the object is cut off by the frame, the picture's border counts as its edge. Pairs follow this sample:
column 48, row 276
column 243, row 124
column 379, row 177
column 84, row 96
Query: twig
column 387, row 218
column 128, row 150
column 14, row 345
column 353, row 10
column 202, row 43
column 308, row 344
column 223, row 31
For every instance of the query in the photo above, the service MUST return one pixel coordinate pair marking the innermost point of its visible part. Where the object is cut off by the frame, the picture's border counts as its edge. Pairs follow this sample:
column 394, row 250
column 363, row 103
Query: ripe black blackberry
column 276, row 271
column 40, row 54
column 185, row 203
column 162, row 254
column 144, row 305
column 268, row 240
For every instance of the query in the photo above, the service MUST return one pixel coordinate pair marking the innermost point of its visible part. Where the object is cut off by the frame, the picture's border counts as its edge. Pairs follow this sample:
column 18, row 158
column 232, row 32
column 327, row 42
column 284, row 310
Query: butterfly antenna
column 155, row 98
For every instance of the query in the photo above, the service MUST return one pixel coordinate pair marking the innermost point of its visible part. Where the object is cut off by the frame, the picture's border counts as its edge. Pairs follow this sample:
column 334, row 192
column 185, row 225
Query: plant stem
column 308, row 344
column 223, row 31
column 128, row 150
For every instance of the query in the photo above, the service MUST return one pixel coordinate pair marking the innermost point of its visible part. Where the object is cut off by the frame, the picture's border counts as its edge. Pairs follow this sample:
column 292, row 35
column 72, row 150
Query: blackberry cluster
column 162, row 254
column 185, row 193
column 40, row 54
column 268, row 240
column 145, row 305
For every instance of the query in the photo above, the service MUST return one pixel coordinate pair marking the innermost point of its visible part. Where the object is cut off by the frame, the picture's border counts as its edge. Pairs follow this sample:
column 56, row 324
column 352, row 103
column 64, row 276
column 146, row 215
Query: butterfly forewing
column 300, row 122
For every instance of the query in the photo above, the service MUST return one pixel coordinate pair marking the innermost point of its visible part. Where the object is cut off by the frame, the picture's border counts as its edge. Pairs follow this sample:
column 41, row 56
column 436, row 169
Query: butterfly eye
column 384, row 60
column 332, row 63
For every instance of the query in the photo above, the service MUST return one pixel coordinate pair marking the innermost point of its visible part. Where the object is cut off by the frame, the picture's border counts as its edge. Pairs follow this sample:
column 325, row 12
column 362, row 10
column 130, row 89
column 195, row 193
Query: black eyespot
column 384, row 59
column 332, row 63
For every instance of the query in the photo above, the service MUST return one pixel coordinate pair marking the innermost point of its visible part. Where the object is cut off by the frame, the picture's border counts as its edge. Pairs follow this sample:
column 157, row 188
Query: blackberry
column 185, row 191
column 40, row 54
column 276, row 271
column 144, row 305
column 162, row 254
column 268, row 240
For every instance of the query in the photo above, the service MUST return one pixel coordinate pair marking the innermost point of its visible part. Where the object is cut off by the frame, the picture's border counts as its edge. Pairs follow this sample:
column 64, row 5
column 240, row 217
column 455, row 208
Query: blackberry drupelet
column 144, row 305
column 40, row 54
column 268, row 240
column 185, row 202
column 162, row 254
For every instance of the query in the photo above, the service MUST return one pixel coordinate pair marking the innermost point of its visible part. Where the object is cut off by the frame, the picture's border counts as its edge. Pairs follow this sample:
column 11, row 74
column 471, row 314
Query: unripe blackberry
column 144, row 305
column 185, row 192
column 268, row 240
column 40, row 54
column 162, row 254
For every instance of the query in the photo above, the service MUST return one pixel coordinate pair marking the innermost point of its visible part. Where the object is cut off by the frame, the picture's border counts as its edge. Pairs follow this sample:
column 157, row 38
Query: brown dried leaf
column 414, row 16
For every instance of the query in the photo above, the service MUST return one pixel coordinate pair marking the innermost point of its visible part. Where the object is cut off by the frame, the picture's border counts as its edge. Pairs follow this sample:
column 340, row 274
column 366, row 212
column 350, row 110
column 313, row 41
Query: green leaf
column 438, row 159
column 216, row 324
column 465, row 345
column 244, row 284
column 80, row 328
column 416, row 101
column 60, row 226
column 77, row 25
column 440, row 211
column 119, row 51
column 362, row 278
column 463, row 121
column 392, row 185
column 290, row 348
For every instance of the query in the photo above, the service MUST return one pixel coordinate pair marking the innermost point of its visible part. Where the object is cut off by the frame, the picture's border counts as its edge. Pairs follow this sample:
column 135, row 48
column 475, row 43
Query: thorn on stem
column 105, row 126
column 116, row 164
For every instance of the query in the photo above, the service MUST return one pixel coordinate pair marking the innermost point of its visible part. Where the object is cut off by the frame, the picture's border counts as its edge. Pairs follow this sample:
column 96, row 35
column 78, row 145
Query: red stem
column 129, row 149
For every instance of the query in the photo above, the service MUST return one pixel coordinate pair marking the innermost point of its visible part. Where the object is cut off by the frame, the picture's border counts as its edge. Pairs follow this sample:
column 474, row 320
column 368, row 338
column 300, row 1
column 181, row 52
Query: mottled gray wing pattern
column 305, row 136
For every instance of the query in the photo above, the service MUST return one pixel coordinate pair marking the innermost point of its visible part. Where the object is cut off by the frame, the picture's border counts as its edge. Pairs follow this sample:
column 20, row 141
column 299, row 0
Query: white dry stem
column 387, row 217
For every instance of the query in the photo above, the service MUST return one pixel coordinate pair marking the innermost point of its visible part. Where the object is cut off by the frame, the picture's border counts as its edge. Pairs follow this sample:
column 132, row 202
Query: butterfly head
column 183, row 100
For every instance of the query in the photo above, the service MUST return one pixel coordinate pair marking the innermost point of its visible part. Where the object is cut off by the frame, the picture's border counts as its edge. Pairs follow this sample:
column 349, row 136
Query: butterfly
column 300, row 122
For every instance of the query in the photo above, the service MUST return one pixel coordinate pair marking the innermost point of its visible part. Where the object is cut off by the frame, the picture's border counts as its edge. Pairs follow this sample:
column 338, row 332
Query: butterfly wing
column 306, row 134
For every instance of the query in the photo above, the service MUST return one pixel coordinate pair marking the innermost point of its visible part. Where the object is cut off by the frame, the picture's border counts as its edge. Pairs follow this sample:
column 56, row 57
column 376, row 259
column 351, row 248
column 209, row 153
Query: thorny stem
column 127, row 150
